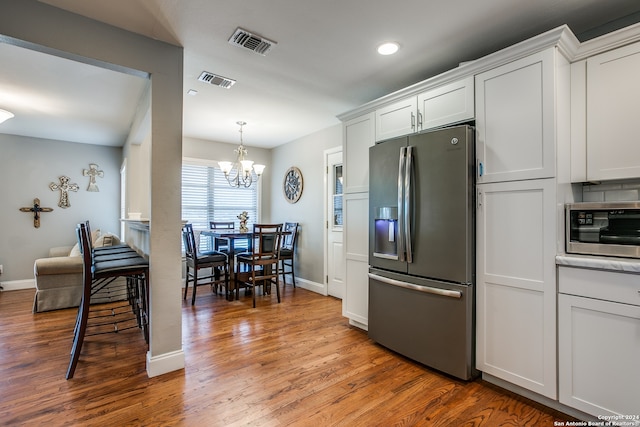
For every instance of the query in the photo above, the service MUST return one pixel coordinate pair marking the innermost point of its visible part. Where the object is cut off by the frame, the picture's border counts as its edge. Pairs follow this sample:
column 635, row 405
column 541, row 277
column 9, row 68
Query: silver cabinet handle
column 412, row 286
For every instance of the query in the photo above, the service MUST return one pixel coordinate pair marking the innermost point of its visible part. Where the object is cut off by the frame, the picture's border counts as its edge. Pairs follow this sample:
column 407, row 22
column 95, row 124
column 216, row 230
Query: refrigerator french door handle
column 401, row 168
column 426, row 289
column 408, row 205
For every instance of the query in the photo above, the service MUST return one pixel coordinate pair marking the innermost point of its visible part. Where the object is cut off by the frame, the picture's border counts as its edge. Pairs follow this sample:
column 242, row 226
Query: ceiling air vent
column 253, row 42
column 216, row 80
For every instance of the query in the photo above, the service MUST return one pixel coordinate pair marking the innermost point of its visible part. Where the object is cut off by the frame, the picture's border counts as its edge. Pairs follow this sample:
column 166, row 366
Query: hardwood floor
column 296, row 363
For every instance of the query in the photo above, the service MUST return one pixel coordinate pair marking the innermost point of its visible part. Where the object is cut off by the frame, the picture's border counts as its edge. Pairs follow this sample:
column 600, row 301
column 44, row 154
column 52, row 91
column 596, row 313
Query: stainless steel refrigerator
column 422, row 248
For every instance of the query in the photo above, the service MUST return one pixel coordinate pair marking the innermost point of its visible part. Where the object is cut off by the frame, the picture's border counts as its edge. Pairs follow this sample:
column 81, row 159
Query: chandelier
column 240, row 173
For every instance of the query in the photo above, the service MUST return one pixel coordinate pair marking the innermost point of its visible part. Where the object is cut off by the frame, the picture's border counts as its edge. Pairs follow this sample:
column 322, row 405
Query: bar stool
column 95, row 275
column 264, row 260
column 196, row 260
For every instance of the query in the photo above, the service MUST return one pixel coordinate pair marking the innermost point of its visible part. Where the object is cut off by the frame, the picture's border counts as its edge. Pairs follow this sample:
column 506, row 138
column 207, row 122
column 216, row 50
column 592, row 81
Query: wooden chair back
column 267, row 241
column 289, row 240
column 189, row 240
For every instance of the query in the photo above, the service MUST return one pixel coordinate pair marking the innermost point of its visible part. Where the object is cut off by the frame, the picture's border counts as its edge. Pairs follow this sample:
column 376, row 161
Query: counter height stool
column 264, row 261
column 221, row 244
column 287, row 252
column 196, row 260
column 108, row 318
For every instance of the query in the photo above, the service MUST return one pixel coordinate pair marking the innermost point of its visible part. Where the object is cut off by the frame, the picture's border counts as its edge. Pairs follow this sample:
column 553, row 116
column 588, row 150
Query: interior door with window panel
column 335, row 247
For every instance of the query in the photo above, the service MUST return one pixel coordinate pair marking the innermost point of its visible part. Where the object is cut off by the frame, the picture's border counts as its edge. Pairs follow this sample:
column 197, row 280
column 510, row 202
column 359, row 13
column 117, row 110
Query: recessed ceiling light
column 5, row 115
column 388, row 48
column 192, row 92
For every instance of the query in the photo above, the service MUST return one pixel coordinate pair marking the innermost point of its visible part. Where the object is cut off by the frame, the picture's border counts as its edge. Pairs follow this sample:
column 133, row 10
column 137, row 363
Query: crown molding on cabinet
column 562, row 37
column 609, row 41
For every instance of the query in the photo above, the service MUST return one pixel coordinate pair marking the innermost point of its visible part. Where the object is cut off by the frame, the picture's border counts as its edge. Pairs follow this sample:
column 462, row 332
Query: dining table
column 232, row 236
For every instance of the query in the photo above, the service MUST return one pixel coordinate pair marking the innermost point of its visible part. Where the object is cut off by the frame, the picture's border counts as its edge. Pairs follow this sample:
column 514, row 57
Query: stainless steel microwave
column 603, row 228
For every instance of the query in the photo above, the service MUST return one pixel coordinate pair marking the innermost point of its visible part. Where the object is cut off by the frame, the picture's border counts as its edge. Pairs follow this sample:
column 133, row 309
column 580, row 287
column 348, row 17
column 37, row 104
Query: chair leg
column 195, row 286
column 235, row 283
column 277, row 287
column 226, row 281
column 144, row 300
column 293, row 274
column 186, row 283
column 78, row 339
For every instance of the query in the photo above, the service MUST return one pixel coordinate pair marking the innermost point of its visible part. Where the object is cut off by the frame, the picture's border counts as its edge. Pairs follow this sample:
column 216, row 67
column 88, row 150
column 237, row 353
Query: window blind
column 207, row 196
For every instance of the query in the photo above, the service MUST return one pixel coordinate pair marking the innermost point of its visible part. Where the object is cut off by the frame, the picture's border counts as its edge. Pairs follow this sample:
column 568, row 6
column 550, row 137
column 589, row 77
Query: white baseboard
column 164, row 363
column 316, row 287
column 16, row 285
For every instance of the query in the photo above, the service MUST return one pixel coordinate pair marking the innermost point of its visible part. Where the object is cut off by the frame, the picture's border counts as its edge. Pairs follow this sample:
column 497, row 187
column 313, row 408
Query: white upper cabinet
column 515, row 119
column 443, row 105
column 613, row 91
column 447, row 104
column 397, row 119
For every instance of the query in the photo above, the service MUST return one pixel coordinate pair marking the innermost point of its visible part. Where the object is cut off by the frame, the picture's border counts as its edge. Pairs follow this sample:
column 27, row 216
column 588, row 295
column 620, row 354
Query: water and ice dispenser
column 386, row 233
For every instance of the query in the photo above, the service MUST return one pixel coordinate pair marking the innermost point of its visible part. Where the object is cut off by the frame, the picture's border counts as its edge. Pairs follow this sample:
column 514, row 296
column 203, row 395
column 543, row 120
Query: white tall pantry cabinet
column 358, row 136
column 520, row 110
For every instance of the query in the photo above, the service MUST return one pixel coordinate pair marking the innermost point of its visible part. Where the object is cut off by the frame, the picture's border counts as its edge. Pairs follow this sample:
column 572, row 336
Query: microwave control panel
column 584, row 218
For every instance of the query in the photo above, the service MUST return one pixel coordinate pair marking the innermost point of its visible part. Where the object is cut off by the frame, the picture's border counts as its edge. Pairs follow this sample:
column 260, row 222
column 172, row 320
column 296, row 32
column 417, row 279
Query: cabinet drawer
column 600, row 284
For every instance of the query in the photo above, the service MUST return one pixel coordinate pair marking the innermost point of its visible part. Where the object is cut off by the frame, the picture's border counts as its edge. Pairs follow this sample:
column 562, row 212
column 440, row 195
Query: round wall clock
column 292, row 184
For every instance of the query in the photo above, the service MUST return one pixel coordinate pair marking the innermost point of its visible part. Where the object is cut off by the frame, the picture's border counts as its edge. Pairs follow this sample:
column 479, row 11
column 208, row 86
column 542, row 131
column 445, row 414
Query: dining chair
column 264, row 261
column 287, row 252
column 196, row 260
column 95, row 318
column 221, row 244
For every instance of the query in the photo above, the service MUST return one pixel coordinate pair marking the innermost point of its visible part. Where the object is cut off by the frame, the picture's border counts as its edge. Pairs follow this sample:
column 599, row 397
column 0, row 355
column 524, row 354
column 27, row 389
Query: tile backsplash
column 611, row 191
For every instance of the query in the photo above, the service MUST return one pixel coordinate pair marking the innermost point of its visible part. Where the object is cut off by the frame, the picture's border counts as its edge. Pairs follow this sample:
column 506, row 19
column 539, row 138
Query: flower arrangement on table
column 243, row 217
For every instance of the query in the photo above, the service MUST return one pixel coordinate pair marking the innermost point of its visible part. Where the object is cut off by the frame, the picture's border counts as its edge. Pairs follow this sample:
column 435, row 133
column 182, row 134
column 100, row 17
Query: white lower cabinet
column 355, row 304
column 516, row 283
column 599, row 341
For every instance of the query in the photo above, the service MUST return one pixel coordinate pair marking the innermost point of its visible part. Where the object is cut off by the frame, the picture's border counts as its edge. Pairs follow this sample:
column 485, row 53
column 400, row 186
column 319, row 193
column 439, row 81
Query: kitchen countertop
column 627, row 265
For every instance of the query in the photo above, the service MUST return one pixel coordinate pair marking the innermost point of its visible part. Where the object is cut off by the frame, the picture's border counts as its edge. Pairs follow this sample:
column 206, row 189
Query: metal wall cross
column 92, row 172
column 36, row 209
column 64, row 188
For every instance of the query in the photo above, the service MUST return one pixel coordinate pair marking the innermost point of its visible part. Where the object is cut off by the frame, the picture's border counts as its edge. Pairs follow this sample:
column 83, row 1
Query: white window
column 207, row 196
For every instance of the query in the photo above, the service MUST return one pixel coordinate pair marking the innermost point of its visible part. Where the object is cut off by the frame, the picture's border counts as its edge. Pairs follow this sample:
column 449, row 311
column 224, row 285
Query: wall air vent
column 253, row 42
column 216, row 80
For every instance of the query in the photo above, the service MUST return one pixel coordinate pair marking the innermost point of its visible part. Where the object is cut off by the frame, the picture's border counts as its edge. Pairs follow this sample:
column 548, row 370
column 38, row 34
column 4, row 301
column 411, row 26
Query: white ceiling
column 324, row 62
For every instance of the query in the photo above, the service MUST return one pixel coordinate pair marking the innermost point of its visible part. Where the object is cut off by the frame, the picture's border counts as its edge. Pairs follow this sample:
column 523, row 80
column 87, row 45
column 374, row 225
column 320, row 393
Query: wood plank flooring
column 297, row 363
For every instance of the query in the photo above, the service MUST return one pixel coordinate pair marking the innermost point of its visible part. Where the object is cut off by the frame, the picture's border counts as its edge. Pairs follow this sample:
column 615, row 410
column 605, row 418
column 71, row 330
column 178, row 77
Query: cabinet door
column 447, row 104
column 516, row 283
column 515, row 110
column 599, row 345
column 613, row 90
column 355, row 304
column 358, row 136
column 397, row 119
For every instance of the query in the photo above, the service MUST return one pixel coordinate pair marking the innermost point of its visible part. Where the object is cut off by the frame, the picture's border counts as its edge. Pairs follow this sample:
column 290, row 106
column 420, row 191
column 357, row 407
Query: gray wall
column 307, row 154
column 27, row 166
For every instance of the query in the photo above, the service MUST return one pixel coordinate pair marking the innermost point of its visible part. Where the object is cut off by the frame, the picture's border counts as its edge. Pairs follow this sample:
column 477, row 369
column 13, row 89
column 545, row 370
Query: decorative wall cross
column 92, row 172
column 64, row 188
column 36, row 209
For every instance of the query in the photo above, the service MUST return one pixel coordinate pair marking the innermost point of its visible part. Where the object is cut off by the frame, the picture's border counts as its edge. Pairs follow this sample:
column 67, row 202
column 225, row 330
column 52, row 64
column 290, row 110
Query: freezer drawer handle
column 425, row 289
